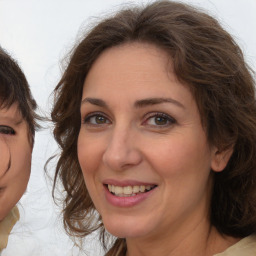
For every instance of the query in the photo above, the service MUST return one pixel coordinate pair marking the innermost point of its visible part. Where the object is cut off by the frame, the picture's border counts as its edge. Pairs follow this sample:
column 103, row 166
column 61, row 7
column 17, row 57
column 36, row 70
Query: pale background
column 39, row 34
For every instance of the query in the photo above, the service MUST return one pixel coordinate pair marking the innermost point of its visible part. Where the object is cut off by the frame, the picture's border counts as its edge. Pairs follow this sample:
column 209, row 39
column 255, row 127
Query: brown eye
column 100, row 120
column 6, row 130
column 160, row 120
column 96, row 119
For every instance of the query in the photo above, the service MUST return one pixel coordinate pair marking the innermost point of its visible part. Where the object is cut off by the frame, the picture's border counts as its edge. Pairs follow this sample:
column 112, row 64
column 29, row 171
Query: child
column 17, row 130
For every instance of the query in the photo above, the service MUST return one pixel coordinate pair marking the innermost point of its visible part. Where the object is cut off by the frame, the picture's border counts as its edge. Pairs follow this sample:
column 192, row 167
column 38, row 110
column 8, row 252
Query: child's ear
column 220, row 159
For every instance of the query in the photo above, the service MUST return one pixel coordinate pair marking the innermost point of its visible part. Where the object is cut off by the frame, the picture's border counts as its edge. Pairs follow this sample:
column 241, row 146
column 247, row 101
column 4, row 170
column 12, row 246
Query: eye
column 6, row 130
column 96, row 119
column 159, row 119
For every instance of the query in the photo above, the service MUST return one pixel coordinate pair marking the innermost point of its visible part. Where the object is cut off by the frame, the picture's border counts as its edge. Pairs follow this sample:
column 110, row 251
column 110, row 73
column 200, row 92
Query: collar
column 6, row 226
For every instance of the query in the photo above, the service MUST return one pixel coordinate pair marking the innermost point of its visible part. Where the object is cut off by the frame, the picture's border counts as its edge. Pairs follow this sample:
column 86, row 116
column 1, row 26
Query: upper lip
column 123, row 183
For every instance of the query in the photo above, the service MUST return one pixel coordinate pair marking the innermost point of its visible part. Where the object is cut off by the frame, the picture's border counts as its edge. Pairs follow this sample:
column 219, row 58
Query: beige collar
column 245, row 247
column 6, row 226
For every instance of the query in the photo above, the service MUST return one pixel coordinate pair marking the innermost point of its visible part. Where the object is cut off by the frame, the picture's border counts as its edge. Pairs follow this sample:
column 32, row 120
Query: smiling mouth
column 127, row 191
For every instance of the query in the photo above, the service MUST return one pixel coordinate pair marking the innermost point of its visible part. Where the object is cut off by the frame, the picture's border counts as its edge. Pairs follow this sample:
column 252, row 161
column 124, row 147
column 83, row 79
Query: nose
column 122, row 151
column 5, row 157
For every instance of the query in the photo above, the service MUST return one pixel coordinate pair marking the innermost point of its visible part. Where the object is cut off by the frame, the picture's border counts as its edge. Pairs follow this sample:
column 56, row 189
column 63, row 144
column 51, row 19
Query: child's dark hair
column 14, row 88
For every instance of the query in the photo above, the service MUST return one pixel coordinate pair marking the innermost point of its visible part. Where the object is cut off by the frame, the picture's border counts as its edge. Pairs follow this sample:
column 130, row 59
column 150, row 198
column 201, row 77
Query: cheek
column 21, row 164
column 184, row 168
column 89, row 158
column 17, row 177
column 21, row 153
column 4, row 156
column 83, row 153
column 90, row 151
column 180, row 156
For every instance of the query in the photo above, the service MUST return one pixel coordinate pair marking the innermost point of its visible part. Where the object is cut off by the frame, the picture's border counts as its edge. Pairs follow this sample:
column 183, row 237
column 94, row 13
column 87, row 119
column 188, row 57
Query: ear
column 220, row 159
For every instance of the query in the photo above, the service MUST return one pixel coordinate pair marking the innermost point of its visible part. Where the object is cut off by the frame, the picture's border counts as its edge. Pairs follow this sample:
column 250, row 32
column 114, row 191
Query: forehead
column 11, row 113
column 127, row 65
column 132, row 56
column 136, row 70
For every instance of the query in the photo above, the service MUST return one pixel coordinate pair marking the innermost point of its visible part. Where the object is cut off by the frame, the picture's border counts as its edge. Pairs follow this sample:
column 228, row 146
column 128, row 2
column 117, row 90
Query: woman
column 17, row 130
column 155, row 116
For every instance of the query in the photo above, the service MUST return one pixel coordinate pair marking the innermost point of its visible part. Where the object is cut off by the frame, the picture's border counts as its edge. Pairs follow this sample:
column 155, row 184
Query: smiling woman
column 17, row 129
column 129, row 138
column 156, row 118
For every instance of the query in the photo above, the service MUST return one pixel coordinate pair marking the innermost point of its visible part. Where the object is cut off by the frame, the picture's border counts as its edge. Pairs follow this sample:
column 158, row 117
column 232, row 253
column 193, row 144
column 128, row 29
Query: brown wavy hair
column 14, row 88
column 207, row 60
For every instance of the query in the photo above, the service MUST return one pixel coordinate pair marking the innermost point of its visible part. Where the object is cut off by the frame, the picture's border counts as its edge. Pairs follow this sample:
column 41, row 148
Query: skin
column 124, row 141
column 5, row 156
column 15, row 142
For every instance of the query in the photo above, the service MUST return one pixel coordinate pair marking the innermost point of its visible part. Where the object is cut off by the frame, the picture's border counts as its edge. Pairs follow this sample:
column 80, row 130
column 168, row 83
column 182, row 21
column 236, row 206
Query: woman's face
column 15, row 158
column 142, row 149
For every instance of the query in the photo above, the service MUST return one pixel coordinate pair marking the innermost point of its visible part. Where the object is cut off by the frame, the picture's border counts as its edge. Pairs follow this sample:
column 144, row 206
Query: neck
column 200, row 239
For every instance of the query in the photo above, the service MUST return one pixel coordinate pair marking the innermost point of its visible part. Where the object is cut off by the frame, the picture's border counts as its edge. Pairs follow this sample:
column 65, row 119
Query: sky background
column 39, row 34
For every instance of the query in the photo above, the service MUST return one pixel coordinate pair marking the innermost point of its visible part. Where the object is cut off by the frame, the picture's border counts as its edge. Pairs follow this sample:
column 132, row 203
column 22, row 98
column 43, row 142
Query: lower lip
column 128, row 201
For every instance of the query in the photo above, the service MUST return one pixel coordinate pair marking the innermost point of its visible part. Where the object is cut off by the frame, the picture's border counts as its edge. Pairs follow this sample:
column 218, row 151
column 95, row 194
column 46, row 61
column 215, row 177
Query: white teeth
column 136, row 189
column 128, row 190
column 118, row 190
column 142, row 189
column 148, row 187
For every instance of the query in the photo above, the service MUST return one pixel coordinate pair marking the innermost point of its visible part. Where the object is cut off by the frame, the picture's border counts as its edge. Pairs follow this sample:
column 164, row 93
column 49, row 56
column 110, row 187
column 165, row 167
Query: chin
column 126, row 228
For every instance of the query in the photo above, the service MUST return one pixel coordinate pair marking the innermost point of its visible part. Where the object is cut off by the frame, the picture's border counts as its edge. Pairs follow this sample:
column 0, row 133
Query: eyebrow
column 138, row 104
column 155, row 101
column 94, row 101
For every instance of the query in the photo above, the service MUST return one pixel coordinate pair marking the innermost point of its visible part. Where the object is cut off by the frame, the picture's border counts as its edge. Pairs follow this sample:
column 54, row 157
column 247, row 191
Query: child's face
column 15, row 158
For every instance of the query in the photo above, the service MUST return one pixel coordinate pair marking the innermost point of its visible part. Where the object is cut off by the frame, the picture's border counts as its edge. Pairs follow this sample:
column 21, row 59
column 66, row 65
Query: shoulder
column 6, row 226
column 245, row 247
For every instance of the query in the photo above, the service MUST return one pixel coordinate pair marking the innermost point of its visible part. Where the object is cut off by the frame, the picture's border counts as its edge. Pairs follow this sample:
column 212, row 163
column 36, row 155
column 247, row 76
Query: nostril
column 122, row 159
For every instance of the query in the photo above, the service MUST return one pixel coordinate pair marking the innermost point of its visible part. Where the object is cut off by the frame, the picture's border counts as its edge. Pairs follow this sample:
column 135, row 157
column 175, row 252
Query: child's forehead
column 11, row 113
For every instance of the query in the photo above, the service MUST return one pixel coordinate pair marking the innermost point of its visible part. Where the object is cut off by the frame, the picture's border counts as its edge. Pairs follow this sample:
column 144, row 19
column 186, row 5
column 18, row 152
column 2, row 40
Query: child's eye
column 6, row 130
column 96, row 119
column 159, row 119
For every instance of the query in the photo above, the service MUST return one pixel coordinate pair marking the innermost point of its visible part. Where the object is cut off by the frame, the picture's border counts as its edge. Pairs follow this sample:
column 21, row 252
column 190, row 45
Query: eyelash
column 87, row 119
column 7, row 130
column 166, row 118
